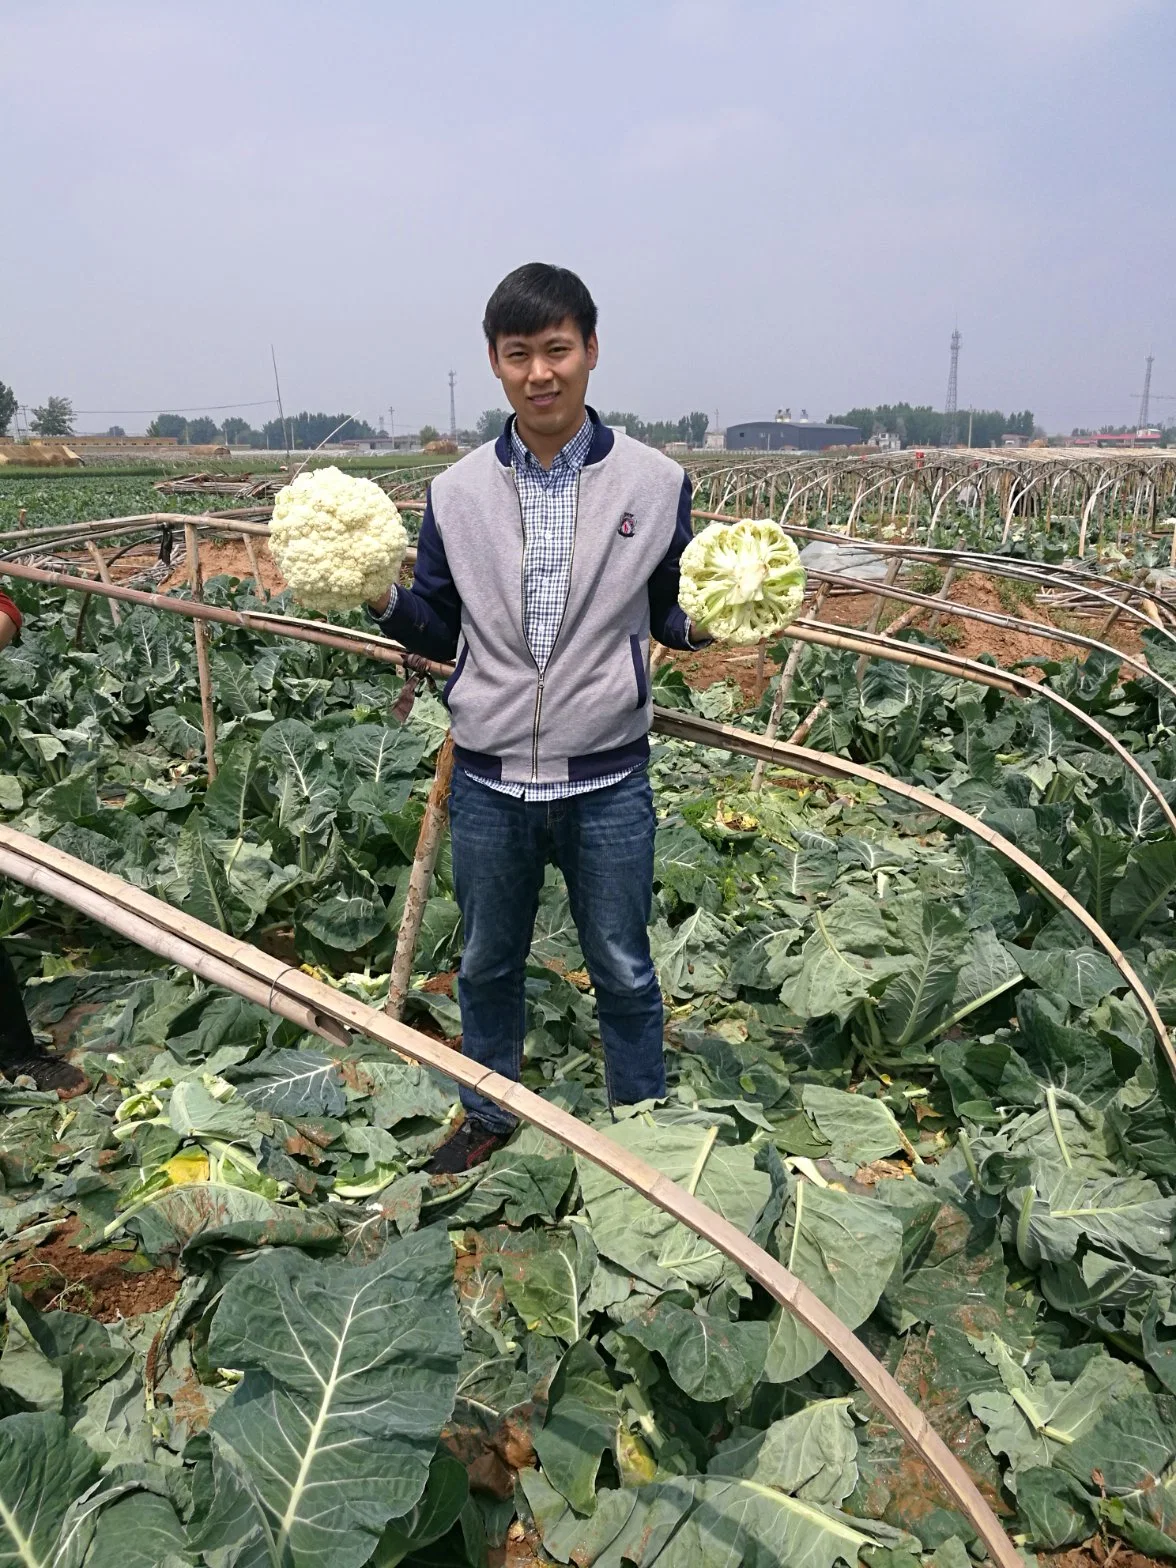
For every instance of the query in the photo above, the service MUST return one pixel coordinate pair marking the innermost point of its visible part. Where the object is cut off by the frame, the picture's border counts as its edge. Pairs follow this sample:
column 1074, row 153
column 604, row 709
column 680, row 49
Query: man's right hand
column 378, row 606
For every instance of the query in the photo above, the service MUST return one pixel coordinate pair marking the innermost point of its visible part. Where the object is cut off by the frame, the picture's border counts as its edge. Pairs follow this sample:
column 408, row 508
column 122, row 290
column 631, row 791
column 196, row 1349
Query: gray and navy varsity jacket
column 588, row 712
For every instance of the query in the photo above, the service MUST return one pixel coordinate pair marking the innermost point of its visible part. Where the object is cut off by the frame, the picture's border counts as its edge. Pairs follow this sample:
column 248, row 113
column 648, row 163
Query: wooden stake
column 424, row 862
column 208, row 714
column 254, row 565
column 100, row 562
column 933, row 623
column 784, row 689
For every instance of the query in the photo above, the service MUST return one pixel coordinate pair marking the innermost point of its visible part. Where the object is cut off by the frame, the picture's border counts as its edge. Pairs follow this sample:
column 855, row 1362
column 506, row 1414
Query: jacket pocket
column 447, row 689
column 639, row 672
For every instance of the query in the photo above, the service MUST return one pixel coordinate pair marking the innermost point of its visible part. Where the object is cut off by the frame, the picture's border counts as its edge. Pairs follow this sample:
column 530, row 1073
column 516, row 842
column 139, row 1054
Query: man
column 546, row 561
column 19, row 1052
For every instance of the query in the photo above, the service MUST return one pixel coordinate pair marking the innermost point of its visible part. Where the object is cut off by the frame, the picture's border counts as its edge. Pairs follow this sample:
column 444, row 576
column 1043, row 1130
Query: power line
column 170, row 408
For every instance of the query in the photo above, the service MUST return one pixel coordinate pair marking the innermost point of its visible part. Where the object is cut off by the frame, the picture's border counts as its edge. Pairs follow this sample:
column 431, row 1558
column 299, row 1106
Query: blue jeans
column 603, row 843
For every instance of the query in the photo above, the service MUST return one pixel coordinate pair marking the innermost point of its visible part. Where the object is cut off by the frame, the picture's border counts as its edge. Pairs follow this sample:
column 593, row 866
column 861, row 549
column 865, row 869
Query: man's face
column 545, row 375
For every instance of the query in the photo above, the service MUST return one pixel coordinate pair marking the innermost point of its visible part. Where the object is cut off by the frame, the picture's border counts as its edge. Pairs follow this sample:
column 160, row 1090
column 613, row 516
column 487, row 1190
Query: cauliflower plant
column 337, row 540
column 741, row 581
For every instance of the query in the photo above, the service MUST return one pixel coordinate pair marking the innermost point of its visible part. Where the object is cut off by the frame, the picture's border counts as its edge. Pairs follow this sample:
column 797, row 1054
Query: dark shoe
column 472, row 1144
column 50, row 1073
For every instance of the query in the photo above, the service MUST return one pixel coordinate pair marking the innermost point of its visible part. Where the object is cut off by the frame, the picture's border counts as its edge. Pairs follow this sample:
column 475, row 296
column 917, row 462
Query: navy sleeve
column 426, row 618
column 667, row 618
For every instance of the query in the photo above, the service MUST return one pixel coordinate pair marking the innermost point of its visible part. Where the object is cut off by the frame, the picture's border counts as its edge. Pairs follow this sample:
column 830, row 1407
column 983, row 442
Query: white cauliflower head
column 741, row 581
column 337, row 540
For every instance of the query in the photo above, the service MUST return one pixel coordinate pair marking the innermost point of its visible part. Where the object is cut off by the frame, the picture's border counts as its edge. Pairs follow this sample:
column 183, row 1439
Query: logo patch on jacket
column 628, row 526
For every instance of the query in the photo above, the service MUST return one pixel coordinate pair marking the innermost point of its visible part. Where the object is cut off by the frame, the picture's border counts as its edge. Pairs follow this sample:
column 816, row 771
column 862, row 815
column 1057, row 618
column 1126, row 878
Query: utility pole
column 969, row 430
column 452, row 408
column 392, row 422
column 1145, row 399
column 950, row 419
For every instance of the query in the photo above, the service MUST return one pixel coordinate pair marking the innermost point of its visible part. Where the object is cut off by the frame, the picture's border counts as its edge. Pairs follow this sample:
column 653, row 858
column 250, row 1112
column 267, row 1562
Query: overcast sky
column 773, row 203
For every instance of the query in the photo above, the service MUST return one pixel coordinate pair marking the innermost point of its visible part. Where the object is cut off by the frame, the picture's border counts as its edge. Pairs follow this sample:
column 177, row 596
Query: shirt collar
column 570, row 456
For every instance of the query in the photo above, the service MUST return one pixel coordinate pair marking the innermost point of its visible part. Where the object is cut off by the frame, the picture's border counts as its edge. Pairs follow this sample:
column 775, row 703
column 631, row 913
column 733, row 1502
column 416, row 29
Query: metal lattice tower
column 950, row 421
column 1145, row 396
column 452, row 407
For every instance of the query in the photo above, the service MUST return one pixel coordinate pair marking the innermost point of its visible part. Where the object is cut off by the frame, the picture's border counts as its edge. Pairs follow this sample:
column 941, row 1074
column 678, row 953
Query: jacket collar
column 601, row 444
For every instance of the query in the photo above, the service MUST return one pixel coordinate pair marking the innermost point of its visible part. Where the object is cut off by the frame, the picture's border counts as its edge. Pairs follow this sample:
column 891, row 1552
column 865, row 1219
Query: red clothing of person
column 8, row 608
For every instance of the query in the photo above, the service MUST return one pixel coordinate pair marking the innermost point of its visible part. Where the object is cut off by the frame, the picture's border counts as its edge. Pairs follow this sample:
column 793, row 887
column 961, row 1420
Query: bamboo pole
column 207, row 711
column 362, row 644
column 424, row 863
column 227, row 961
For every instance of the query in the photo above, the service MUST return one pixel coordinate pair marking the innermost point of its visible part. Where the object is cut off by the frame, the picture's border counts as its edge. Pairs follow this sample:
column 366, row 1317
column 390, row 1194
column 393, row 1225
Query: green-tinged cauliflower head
column 337, row 540
column 741, row 581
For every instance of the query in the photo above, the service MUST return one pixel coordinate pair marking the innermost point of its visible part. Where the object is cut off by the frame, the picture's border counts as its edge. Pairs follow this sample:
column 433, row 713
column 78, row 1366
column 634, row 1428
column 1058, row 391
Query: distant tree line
column 924, row 426
column 301, row 430
column 657, row 432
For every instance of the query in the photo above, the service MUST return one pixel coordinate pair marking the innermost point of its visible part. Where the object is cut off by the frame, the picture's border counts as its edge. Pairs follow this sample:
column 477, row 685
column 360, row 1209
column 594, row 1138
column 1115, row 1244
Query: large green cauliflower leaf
column 337, row 540
column 741, row 581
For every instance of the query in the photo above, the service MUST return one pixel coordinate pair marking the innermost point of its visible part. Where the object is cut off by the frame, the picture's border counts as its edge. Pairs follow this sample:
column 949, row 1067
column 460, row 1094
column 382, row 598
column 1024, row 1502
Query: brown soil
column 1097, row 1554
column 59, row 1275
column 229, row 557
column 521, row 1550
column 440, row 985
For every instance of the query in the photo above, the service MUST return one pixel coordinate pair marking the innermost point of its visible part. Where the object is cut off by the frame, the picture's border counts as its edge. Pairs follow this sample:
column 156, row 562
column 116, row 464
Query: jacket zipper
column 541, row 673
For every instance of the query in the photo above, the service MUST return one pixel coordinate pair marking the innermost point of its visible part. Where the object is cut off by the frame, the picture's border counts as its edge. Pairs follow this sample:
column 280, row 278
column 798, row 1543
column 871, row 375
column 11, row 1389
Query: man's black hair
column 532, row 298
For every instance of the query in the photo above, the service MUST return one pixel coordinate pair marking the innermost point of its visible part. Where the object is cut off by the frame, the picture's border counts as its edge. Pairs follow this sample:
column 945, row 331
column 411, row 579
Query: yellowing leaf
column 188, row 1166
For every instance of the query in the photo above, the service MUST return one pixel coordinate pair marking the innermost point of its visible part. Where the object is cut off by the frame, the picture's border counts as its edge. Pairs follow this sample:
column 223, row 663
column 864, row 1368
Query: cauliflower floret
column 741, row 581
column 337, row 540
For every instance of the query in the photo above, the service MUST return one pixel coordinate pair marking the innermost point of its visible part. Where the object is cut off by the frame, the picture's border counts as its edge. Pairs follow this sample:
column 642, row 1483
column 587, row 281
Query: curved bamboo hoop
column 880, row 646
column 996, row 566
column 666, row 722
column 821, row 764
column 968, row 612
column 872, row 644
column 238, row 966
column 343, row 639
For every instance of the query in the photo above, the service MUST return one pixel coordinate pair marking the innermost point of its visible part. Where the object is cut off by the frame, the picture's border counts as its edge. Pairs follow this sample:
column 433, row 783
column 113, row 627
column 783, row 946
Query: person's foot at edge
column 472, row 1144
column 50, row 1073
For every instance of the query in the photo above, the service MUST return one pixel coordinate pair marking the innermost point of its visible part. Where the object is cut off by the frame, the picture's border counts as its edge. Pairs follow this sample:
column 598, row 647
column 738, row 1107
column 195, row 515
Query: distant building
column 885, row 441
column 716, row 440
column 1014, row 438
column 795, row 435
column 1148, row 437
column 676, row 448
